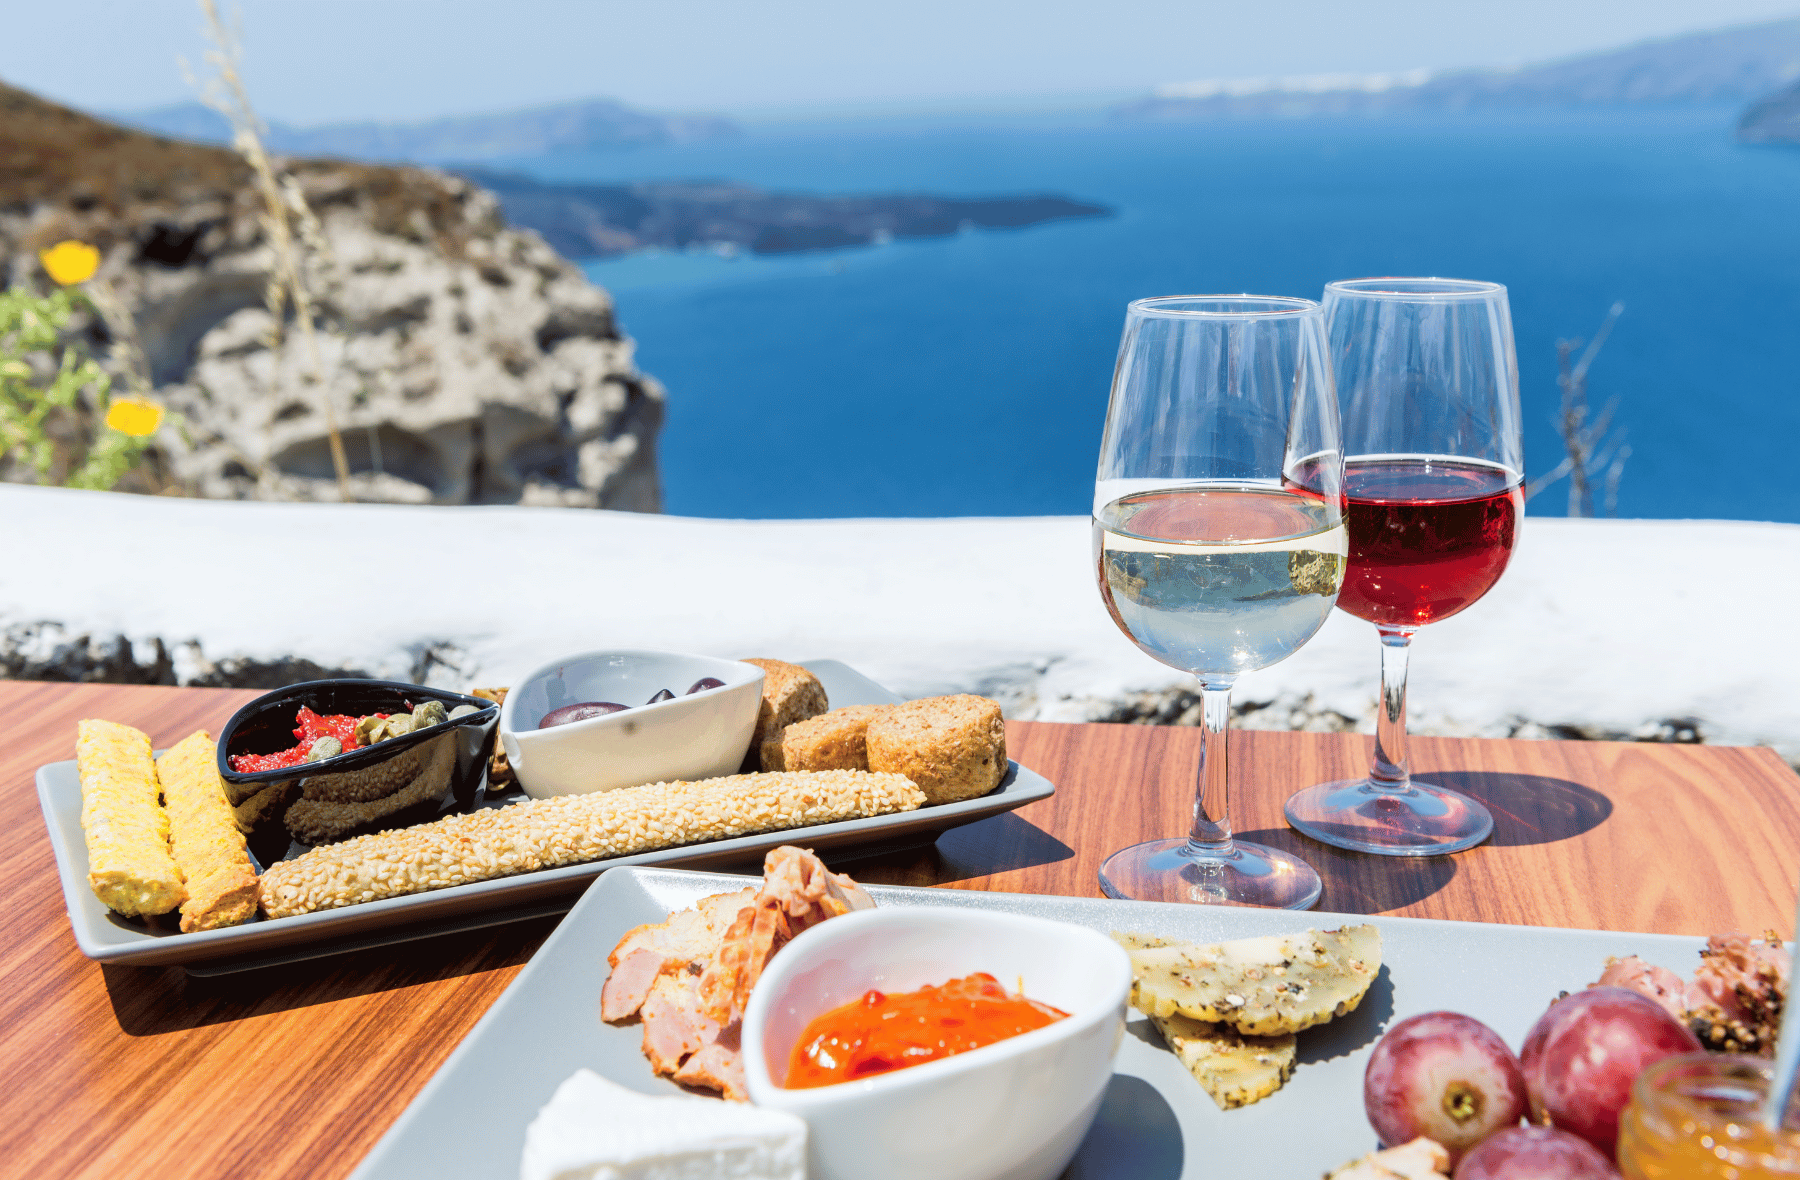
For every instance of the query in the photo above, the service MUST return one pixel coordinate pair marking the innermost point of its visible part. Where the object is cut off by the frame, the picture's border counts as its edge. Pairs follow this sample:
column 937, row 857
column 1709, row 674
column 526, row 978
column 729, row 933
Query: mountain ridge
column 538, row 130
column 1738, row 64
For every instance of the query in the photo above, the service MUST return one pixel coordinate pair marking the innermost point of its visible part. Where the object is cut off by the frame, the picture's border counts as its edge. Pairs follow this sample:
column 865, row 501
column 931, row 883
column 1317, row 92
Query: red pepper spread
column 879, row 1032
column 312, row 727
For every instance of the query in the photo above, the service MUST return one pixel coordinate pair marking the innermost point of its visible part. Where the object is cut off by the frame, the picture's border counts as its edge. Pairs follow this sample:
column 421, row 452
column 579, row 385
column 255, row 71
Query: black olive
column 664, row 695
column 705, row 682
column 579, row 712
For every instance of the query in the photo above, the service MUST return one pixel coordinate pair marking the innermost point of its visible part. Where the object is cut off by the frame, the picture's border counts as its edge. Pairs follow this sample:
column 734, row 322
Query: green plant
column 49, row 426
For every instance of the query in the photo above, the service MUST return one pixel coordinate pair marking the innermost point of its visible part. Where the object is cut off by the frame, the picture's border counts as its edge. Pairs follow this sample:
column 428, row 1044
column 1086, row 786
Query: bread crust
column 790, row 693
column 953, row 747
column 837, row 740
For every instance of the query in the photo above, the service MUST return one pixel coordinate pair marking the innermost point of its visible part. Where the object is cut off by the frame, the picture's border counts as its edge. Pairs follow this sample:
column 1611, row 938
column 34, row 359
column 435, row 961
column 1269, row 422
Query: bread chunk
column 1234, row 1069
column 953, row 747
column 790, row 693
column 204, row 837
column 127, row 830
column 838, row 740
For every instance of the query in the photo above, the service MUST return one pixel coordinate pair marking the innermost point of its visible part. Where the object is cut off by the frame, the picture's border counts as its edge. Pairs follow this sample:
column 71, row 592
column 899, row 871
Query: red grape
column 1582, row 1055
column 1446, row 1076
column 1535, row 1153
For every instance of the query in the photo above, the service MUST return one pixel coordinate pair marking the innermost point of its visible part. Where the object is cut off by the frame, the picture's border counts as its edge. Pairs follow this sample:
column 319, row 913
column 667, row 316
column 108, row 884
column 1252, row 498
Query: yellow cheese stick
column 204, row 837
column 127, row 830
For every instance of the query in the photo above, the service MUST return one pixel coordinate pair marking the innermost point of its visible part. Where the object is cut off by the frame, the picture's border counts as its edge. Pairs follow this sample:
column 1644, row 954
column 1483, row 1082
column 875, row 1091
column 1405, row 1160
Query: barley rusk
column 127, row 830
column 837, row 740
column 790, row 693
column 953, row 747
column 572, row 829
column 204, row 837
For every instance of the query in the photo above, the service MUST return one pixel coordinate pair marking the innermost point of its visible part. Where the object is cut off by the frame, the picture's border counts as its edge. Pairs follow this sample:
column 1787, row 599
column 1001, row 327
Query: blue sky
column 310, row 61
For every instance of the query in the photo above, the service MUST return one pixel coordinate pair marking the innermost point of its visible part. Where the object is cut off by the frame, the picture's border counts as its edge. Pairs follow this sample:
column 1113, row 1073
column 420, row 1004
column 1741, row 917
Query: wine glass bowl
column 1433, row 482
column 1219, row 544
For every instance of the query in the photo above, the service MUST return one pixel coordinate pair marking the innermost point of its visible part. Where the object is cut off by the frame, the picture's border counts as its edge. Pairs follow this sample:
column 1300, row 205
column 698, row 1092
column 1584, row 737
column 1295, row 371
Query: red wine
column 1427, row 536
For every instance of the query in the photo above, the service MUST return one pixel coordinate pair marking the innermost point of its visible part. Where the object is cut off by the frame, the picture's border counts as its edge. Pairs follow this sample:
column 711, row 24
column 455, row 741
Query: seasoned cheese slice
column 1235, row 1069
column 1262, row 987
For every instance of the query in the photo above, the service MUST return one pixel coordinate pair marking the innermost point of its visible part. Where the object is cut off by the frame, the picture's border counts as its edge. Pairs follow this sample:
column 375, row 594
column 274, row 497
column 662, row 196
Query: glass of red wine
column 1428, row 391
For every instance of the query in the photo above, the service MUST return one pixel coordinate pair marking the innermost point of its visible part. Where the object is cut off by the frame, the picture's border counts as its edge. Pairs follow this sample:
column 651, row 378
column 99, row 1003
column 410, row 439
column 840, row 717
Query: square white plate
column 104, row 935
column 1156, row 1122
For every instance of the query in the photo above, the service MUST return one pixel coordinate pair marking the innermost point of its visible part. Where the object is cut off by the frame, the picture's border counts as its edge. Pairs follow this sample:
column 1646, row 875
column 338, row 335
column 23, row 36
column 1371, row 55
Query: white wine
column 1220, row 578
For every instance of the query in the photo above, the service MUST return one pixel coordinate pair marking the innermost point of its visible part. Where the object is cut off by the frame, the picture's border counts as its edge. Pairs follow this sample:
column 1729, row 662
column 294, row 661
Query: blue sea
column 968, row 375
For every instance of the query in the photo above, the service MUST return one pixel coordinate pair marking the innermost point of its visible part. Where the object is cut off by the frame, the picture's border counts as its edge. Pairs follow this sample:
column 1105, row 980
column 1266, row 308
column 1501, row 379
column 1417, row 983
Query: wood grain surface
column 297, row 1070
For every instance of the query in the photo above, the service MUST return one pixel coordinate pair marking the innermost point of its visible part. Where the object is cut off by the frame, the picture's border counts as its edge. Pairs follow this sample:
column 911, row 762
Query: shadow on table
column 999, row 844
column 1135, row 1137
column 1528, row 808
column 1357, row 883
column 147, row 1001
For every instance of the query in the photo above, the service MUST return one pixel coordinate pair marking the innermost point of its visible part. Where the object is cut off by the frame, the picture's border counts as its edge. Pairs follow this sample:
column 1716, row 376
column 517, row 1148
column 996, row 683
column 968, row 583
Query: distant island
column 571, row 126
column 600, row 221
column 1776, row 119
column 1727, row 65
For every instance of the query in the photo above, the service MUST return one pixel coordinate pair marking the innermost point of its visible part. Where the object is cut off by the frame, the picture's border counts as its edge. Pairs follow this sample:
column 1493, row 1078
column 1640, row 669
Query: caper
column 429, row 713
column 325, row 747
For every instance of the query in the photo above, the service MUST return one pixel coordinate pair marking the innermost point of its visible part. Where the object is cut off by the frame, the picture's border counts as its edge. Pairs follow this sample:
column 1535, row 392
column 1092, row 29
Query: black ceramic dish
column 266, row 725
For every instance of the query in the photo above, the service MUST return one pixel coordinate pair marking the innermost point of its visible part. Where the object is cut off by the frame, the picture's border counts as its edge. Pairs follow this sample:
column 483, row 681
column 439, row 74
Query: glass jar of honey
column 1698, row 1116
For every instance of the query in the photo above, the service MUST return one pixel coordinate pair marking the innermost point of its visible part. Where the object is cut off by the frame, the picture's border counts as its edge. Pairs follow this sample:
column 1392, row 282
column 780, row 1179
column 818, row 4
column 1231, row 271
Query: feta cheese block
column 1262, row 987
column 593, row 1129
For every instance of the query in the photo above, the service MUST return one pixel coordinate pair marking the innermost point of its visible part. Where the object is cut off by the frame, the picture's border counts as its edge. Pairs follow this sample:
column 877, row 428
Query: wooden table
column 121, row 1071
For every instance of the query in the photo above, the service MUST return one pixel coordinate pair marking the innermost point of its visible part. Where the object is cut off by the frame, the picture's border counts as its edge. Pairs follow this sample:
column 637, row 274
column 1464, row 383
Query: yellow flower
column 138, row 417
column 70, row 262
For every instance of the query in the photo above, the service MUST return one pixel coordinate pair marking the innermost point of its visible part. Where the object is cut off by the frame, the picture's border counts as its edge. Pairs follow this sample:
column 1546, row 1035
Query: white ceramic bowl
column 1013, row 1110
column 696, row 736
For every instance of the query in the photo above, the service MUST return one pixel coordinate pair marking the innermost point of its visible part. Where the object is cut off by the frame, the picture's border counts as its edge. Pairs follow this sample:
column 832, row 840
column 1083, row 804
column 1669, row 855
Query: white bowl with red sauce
column 702, row 730
column 1016, row 1109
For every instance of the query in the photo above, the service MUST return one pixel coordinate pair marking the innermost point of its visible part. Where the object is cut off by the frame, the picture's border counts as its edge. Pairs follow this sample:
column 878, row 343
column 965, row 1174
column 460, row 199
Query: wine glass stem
column 1390, row 770
column 1211, row 833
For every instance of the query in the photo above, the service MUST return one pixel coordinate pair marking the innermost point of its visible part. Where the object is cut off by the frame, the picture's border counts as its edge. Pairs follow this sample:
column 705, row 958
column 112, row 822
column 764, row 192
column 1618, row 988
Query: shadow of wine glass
column 1136, row 1135
column 1527, row 808
column 1356, row 882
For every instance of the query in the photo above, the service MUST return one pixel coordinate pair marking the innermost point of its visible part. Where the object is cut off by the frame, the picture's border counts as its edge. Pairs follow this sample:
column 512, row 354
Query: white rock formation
column 1602, row 628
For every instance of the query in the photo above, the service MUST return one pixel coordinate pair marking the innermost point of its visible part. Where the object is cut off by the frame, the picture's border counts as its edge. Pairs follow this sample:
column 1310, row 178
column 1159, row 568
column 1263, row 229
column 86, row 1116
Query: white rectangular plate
column 1155, row 1124
column 105, row 936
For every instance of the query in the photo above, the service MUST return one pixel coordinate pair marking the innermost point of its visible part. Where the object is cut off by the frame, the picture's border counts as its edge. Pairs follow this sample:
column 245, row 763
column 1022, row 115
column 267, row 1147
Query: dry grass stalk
column 1591, row 456
column 283, row 199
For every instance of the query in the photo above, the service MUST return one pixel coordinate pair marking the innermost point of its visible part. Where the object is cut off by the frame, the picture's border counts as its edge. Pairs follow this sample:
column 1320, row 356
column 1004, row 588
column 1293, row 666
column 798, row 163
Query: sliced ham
column 647, row 952
column 688, row 978
column 1647, row 979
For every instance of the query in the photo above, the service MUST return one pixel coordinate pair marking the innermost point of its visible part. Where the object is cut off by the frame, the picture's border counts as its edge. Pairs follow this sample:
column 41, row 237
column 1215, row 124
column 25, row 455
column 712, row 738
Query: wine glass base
column 1181, row 871
column 1422, row 820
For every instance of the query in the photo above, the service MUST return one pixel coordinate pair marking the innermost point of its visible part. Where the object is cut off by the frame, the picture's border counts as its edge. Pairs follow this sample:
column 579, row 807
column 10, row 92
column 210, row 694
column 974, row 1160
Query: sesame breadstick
column 127, row 830
column 204, row 837
column 572, row 829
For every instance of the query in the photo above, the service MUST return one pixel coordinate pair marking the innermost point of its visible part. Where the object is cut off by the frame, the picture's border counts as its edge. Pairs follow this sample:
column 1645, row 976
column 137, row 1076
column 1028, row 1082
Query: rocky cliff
column 467, row 362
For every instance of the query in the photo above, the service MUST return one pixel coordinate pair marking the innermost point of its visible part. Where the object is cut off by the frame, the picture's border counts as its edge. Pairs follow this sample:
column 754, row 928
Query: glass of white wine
column 1219, row 544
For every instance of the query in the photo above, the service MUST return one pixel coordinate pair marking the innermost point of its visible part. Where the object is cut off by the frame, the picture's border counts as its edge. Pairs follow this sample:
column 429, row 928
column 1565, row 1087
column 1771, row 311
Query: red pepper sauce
column 880, row 1033
column 312, row 727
